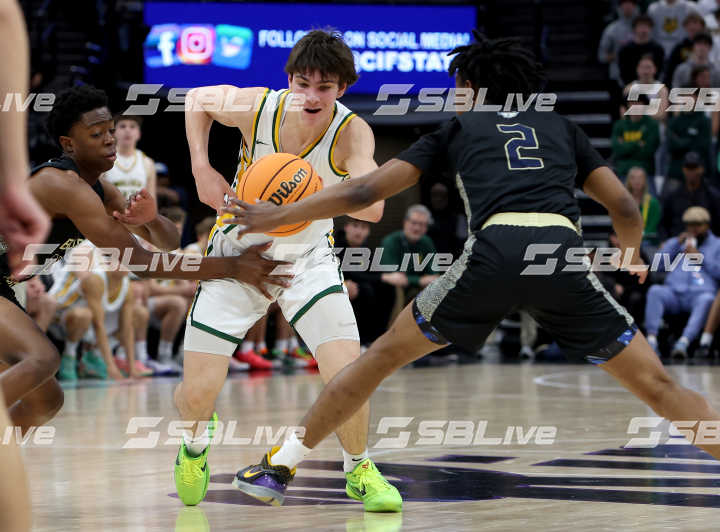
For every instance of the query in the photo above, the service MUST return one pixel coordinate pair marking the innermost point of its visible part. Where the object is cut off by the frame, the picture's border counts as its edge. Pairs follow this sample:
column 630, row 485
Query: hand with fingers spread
column 212, row 187
column 259, row 218
column 254, row 269
column 141, row 209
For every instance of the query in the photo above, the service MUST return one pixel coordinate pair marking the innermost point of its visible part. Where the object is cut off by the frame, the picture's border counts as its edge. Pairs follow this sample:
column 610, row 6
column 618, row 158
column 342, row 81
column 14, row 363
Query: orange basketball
column 280, row 178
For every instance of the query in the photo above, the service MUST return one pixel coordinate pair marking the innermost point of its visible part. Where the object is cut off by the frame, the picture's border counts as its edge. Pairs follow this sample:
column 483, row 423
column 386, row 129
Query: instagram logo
column 196, row 45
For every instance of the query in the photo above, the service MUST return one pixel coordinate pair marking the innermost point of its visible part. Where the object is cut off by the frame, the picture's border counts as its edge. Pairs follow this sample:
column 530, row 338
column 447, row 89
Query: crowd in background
column 114, row 324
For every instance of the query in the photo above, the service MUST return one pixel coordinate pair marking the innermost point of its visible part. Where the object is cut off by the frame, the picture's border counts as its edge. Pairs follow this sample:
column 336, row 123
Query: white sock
column 261, row 346
column 247, row 346
column 70, row 348
column 684, row 340
column 195, row 446
column 291, row 453
column 120, row 353
column 141, row 353
column 282, row 344
column 351, row 460
column 652, row 339
column 294, row 344
column 165, row 350
column 706, row 339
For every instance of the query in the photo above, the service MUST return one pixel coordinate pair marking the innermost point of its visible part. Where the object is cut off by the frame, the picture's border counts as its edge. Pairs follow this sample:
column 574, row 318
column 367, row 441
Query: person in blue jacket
column 685, row 290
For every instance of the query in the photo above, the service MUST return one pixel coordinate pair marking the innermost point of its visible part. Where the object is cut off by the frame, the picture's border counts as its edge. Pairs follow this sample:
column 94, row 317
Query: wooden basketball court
column 584, row 479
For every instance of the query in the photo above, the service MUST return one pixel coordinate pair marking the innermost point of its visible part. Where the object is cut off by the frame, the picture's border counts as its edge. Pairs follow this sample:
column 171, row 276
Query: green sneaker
column 92, row 366
column 192, row 474
column 366, row 484
column 68, row 368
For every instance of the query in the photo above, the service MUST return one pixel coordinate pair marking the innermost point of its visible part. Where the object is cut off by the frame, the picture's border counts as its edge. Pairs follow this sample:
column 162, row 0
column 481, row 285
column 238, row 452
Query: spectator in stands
column 410, row 247
column 712, row 26
column 616, row 35
column 448, row 230
column 678, row 197
column 684, row 290
column 700, row 56
column 708, row 7
column 364, row 288
column 167, row 195
column 687, row 131
column 637, row 184
column 647, row 74
column 202, row 231
column 635, row 138
column 668, row 16
column 704, row 347
column 642, row 44
column 694, row 25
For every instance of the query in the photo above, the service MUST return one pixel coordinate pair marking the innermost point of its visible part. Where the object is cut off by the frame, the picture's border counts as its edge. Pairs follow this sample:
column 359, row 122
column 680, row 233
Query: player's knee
column 178, row 305
column 141, row 314
column 655, row 291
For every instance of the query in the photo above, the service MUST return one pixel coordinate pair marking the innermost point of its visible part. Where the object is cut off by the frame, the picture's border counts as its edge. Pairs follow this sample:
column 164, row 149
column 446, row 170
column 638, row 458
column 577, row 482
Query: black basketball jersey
column 510, row 162
column 63, row 233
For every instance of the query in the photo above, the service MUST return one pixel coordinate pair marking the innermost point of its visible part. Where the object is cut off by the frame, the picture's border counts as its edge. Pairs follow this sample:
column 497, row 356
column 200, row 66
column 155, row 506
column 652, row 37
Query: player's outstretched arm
column 350, row 196
column 603, row 186
column 77, row 201
column 229, row 105
column 356, row 150
column 139, row 214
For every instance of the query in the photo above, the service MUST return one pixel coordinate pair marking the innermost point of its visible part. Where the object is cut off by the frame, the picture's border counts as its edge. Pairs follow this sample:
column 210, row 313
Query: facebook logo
column 160, row 46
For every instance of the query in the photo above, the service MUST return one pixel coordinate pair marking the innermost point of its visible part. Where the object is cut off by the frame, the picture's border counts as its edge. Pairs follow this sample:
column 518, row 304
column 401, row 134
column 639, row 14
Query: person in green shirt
column 637, row 184
column 686, row 132
column 412, row 251
column 635, row 139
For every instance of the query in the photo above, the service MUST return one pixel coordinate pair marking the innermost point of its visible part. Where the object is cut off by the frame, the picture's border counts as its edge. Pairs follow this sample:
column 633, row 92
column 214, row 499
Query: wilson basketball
column 280, row 178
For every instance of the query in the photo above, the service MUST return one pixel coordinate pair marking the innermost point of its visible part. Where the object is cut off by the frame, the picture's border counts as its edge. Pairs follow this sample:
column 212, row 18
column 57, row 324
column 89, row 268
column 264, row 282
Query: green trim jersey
column 265, row 140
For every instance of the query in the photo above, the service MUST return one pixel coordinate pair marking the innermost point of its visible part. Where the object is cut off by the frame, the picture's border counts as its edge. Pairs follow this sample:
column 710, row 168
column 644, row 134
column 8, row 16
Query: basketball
column 280, row 178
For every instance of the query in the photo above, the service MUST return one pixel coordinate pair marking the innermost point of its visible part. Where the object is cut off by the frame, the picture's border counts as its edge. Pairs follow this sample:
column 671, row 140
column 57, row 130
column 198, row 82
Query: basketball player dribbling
column 516, row 173
column 339, row 146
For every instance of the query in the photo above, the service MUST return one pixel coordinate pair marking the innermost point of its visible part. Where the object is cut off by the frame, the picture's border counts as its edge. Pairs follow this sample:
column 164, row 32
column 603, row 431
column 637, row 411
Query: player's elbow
column 376, row 213
column 626, row 210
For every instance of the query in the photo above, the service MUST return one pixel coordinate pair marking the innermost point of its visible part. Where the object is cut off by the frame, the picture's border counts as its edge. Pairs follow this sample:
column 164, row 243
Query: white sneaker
column 159, row 368
column 236, row 365
column 172, row 364
column 526, row 353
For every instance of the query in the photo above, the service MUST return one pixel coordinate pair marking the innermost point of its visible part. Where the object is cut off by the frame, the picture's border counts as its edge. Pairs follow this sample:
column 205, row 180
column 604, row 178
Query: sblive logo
column 680, row 99
column 460, row 432
column 686, row 432
column 224, row 434
column 40, row 436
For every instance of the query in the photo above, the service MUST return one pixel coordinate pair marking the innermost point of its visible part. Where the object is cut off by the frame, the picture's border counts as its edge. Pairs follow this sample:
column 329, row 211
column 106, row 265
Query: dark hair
column 650, row 57
column 501, row 66
column 205, row 225
column 703, row 37
column 643, row 19
column 137, row 119
column 323, row 51
column 70, row 105
column 694, row 15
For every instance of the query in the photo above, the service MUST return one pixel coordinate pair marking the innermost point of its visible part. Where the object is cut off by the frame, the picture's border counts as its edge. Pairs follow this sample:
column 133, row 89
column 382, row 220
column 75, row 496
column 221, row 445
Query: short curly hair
column 70, row 105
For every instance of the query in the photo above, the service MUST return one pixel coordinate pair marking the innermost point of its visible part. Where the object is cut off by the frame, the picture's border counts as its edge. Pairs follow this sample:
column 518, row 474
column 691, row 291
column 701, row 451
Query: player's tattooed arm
column 350, row 196
column 355, row 154
column 139, row 214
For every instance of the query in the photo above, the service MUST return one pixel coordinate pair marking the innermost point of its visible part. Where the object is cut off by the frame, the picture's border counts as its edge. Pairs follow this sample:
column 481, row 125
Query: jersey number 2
column 524, row 138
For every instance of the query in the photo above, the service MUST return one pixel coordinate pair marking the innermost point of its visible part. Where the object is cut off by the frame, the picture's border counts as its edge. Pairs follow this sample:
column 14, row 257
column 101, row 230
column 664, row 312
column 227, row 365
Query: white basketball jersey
column 129, row 173
column 266, row 140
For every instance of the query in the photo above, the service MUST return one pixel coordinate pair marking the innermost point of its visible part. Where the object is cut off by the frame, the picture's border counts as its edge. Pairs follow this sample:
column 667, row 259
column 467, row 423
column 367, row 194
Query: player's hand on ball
column 254, row 269
column 140, row 209
column 259, row 218
column 212, row 187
